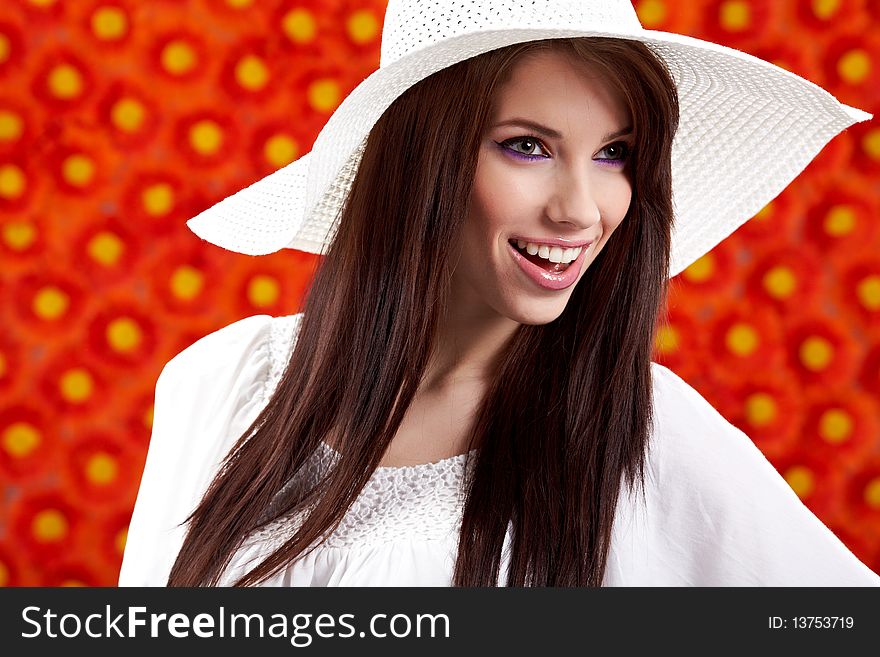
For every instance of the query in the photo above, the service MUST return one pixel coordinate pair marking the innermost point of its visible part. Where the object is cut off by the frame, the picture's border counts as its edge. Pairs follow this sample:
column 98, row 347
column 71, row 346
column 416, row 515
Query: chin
column 537, row 313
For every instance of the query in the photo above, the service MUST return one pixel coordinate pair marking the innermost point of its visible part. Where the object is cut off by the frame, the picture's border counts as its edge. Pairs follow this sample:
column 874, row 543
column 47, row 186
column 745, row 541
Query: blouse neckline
column 431, row 465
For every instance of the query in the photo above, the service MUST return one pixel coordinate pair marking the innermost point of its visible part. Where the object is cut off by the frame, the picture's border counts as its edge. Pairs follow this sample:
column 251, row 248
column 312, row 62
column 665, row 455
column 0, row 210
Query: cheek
column 498, row 199
column 617, row 204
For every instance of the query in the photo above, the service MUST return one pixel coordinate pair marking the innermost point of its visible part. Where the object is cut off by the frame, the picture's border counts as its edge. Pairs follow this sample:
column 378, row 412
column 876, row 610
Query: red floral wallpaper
column 121, row 119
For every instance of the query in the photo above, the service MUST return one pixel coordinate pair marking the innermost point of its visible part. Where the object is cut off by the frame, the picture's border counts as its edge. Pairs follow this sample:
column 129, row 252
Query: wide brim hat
column 747, row 127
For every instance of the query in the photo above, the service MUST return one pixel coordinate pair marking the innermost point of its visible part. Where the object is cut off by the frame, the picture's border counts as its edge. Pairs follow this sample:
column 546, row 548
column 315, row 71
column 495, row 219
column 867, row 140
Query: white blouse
column 715, row 512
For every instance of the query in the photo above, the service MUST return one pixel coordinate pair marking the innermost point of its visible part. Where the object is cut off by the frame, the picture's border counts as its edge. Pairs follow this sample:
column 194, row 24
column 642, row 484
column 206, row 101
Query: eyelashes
column 621, row 147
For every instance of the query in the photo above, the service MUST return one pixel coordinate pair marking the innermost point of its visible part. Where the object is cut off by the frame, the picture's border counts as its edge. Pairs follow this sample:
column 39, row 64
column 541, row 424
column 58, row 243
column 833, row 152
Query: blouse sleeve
column 205, row 398
column 718, row 512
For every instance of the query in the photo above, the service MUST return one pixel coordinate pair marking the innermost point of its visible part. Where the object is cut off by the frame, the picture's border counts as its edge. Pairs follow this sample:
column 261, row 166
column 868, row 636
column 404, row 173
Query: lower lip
column 546, row 279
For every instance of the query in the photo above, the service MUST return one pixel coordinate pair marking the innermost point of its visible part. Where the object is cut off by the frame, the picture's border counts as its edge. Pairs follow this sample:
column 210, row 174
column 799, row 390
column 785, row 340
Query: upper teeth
column 551, row 253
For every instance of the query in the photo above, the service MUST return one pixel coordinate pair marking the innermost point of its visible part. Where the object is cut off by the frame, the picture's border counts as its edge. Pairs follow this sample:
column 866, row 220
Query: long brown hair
column 566, row 421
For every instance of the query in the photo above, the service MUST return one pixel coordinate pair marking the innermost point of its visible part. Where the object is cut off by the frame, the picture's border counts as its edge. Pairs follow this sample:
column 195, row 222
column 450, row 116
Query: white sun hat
column 747, row 127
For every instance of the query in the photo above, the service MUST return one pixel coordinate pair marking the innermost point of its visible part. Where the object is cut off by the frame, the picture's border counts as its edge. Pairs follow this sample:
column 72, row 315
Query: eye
column 617, row 152
column 528, row 143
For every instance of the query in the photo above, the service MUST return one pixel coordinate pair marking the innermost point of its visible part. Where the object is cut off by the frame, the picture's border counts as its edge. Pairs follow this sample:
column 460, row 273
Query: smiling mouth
column 543, row 263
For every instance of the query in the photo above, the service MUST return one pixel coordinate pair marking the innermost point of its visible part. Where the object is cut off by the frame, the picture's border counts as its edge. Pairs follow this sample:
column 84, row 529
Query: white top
column 717, row 513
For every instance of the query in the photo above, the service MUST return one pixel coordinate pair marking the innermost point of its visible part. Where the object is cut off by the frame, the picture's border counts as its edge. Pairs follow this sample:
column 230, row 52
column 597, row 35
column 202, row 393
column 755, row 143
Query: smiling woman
column 557, row 198
column 456, row 405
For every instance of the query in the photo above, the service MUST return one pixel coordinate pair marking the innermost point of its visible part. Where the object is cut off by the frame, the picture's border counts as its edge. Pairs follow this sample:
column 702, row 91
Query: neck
column 469, row 340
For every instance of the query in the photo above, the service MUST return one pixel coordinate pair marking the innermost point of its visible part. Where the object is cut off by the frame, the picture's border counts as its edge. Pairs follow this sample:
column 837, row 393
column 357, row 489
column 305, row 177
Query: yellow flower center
column 780, row 282
column 742, row 339
column 761, row 409
column 735, row 15
column 816, row 353
column 124, row 334
column 128, row 114
column 105, row 248
column 109, row 23
column 835, row 426
column 20, row 439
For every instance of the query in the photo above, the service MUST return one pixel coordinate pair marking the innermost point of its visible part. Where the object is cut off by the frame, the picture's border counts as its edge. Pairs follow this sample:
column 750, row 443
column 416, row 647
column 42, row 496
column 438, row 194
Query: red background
column 121, row 119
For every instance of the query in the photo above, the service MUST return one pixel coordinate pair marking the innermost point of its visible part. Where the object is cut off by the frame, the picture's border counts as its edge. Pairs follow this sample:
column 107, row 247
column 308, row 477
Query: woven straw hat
column 747, row 127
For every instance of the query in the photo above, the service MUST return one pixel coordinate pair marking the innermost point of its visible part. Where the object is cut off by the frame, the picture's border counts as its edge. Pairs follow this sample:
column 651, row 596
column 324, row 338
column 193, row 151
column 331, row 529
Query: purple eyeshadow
column 520, row 156
column 523, row 156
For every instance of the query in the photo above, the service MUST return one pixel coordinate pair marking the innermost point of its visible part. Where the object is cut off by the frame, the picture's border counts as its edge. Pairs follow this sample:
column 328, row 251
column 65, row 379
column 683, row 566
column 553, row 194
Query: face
column 552, row 172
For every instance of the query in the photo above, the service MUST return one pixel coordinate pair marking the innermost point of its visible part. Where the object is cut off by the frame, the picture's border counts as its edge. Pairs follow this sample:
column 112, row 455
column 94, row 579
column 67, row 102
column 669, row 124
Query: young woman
column 467, row 397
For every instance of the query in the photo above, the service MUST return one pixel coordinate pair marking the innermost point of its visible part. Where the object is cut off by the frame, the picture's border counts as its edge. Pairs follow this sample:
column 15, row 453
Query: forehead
column 551, row 84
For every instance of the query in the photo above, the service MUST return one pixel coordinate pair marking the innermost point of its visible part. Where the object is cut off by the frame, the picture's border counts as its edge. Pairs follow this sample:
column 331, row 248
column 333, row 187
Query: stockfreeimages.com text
column 300, row 628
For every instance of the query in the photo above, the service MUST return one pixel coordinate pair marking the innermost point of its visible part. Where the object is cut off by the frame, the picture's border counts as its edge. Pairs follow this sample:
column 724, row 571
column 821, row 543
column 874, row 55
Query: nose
column 574, row 201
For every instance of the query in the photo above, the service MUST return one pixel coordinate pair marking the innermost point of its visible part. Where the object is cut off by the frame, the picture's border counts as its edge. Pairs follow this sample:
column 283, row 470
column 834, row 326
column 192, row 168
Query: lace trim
column 424, row 502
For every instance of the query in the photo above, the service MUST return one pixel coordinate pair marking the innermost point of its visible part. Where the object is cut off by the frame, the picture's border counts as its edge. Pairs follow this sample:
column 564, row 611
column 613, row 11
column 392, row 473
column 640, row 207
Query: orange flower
column 206, row 138
column 320, row 88
column 819, row 350
column 819, row 486
column 78, row 169
column 863, row 495
column 842, row 220
column 678, row 340
column 712, row 277
column 785, row 277
column 185, row 280
column 310, row 29
column 17, row 129
column 128, row 115
column 866, row 144
column 11, row 35
column 108, row 24
column 19, row 183
column 668, row 15
column 258, row 287
column 859, row 291
column 818, row 19
column 739, row 23
column 106, row 251
column 100, row 471
column 49, row 301
column 157, row 201
column 361, row 22
column 744, row 338
column 179, row 55
column 852, row 63
column 841, row 425
column 121, row 335
column 22, row 243
column 63, row 80
column 765, row 405
column 278, row 142
column 28, row 442
column 45, row 524
column 251, row 71
column 71, row 386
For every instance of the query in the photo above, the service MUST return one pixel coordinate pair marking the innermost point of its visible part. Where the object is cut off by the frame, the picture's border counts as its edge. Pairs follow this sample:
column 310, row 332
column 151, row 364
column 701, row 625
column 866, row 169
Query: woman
column 468, row 397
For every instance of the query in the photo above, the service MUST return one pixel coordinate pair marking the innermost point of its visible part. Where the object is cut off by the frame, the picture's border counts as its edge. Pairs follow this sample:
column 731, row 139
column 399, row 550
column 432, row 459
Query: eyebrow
column 553, row 134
